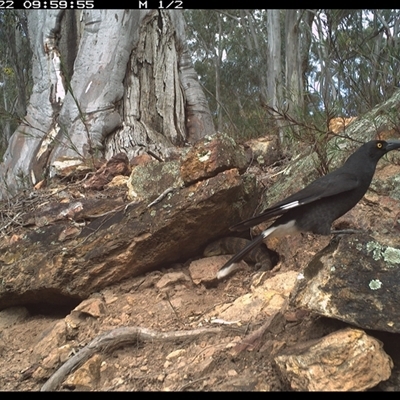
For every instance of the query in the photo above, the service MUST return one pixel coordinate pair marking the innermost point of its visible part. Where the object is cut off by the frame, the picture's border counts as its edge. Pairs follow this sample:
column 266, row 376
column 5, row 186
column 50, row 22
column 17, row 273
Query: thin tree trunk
column 294, row 84
column 274, row 66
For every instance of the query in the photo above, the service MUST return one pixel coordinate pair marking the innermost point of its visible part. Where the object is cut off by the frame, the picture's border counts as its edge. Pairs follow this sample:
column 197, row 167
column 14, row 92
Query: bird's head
column 378, row 148
column 373, row 151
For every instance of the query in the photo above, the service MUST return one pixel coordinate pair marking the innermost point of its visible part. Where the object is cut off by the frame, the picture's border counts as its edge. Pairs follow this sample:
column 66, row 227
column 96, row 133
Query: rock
column 141, row 159
column 265, row 150
column 149, row 180
column 205, row 270
column 202, row 362
column 346, row 360
column 118, row 180
column 171, row 278
column 264, row 300
column 56, row 211
column 69, row 166
column 52, row 339
column 86, row 377
column 210, row 156
column 170, row 382
column 175, row 354
column 94, row 307
column 355, row 279
column 232, row 372
column 55, row 357
column 116, row 165
column 68, row 233
column 119, row 240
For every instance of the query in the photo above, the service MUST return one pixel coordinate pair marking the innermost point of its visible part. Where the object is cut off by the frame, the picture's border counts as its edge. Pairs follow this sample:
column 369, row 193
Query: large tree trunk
column 105, row 81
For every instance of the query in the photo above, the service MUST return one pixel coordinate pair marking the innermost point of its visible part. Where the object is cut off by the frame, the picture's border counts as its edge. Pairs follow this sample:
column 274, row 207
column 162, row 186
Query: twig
column 113, row 211
column 149, row 152
column 173, row 309
column 134, row 202
column 186, row 385
column 10, row 222
column 161, row 196
column 98, row 228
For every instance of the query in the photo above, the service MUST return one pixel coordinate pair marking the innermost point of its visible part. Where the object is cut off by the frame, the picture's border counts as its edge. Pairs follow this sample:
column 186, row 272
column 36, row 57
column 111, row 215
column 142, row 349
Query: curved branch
column 117, row 338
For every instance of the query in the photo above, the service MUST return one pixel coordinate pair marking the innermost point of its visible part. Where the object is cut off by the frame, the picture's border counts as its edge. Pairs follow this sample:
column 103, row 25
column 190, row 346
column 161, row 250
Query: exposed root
column 117, row 338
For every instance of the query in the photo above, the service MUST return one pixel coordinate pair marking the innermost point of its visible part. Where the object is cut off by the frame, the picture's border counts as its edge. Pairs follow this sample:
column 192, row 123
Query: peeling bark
column 111, row 81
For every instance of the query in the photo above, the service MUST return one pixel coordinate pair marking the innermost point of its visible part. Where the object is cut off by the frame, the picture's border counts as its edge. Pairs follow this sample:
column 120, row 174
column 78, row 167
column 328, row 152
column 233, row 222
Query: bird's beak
column 392, row 145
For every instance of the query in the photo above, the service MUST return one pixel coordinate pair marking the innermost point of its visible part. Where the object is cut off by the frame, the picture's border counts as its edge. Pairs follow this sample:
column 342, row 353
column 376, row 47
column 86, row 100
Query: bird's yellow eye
column 379, row 145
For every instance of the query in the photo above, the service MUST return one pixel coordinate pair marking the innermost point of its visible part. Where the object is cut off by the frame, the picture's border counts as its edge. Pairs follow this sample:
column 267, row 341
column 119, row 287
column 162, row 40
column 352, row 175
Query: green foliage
column 221, row 52
column 364, row 56
column 350, row 62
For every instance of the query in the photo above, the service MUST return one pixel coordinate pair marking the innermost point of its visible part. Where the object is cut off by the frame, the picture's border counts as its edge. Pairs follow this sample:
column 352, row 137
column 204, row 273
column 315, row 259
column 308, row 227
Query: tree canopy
column 324, row 63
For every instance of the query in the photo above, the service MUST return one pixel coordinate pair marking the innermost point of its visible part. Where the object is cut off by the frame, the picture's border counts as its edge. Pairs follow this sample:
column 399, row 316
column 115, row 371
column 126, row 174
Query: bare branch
column 117, row 338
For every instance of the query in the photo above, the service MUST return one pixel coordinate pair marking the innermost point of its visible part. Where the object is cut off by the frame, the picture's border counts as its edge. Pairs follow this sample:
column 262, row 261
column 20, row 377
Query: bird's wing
column 326, row 186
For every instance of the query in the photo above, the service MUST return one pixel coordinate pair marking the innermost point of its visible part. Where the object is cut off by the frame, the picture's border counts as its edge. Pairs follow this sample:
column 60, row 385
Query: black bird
column 314, row 208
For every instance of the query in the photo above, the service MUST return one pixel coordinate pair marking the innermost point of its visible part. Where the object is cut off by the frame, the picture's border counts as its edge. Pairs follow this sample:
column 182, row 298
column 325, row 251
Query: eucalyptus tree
column 250, row 60
column 105, row 81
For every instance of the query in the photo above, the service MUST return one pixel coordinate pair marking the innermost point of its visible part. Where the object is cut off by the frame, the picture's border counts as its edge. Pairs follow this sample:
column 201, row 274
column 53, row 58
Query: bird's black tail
column 230, row 266
column 253, row 221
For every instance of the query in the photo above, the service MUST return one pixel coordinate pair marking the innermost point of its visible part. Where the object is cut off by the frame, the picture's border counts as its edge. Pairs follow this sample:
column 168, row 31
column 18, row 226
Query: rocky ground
column 34, row 344
column 185, row 331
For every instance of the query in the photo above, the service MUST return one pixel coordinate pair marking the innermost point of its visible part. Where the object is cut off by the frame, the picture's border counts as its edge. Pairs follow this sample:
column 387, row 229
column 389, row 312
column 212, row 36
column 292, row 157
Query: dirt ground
column 33, row 347
column 207, row 362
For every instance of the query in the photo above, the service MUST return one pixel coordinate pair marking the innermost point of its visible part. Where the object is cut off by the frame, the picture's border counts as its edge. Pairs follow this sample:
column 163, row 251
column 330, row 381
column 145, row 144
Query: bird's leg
column 345, row 231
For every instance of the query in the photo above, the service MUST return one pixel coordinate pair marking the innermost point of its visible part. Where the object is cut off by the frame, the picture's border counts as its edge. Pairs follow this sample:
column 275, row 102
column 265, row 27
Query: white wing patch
column 290, row 205
column 222, row 273
column 281, row 230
